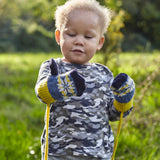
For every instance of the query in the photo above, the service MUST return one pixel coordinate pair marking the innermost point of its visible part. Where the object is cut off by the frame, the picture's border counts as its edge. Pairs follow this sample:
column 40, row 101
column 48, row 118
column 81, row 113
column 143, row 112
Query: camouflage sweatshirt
column 79, row 126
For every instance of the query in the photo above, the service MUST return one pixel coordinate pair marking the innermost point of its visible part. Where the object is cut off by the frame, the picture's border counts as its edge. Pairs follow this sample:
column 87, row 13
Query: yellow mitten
column 123, row 88
column 59, row 86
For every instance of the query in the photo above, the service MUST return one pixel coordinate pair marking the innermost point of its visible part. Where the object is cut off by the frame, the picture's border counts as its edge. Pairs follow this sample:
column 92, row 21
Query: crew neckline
column 78, row 66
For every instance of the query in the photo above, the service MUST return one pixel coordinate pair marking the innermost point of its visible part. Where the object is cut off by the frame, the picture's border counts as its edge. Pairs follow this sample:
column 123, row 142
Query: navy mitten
column 123, row 88
column 60, row 86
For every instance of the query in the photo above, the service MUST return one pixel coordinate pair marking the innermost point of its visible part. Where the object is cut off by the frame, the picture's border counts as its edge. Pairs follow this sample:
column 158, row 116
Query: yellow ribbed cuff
column 43, row 92
column 123, row 107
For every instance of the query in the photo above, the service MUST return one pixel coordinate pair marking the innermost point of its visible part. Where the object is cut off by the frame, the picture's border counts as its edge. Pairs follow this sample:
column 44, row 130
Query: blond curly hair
column 63, row 11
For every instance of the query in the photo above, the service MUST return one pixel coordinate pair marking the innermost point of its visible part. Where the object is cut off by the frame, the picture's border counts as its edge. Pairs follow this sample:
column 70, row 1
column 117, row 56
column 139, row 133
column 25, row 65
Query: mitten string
column 117, row 136
column 47, row 128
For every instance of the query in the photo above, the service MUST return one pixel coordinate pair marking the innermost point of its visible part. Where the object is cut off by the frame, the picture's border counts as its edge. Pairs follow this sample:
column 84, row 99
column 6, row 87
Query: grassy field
column 21, row 113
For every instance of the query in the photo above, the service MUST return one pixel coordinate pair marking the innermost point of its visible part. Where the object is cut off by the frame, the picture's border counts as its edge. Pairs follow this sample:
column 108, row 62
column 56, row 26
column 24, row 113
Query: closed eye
column 71, row 35
column 88, row 37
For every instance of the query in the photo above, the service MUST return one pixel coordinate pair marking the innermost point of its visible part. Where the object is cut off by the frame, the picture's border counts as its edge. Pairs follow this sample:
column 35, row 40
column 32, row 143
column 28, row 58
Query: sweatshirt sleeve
column 41, row 84
column 113, row 113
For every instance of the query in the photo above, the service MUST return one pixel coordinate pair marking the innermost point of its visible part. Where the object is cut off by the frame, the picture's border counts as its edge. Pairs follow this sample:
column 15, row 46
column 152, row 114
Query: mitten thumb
column 79, row 82
column 53, row 67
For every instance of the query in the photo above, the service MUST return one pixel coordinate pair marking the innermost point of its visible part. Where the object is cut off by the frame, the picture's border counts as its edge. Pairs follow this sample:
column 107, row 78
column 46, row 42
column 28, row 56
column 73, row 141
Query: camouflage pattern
column 79, row 126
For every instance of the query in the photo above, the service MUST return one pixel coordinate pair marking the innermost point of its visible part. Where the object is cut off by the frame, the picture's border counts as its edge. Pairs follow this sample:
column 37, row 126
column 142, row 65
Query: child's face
column 81, row 37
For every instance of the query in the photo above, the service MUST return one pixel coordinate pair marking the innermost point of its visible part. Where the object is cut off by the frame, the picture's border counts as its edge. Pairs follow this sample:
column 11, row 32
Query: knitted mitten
column 60, row 86
column 123, row 88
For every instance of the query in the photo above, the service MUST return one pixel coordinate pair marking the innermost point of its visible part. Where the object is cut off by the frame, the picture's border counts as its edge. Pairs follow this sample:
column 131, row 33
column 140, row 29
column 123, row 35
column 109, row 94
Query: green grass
column 22, row 115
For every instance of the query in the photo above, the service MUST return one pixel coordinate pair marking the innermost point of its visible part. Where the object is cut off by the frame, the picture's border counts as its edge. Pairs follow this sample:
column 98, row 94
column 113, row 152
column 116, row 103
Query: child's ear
column 101, row 42
column 57, row 36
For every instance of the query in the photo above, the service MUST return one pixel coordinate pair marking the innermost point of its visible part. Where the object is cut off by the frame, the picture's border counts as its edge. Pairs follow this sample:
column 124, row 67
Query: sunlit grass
column 22, row 115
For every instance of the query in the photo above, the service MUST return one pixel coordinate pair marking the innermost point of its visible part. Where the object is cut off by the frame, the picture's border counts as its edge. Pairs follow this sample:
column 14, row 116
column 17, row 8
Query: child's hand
column 60, row 86
column 123, row 88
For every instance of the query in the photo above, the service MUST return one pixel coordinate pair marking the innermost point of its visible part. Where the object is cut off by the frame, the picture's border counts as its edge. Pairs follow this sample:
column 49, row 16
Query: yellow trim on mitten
column 43, row 92
column 123, row 107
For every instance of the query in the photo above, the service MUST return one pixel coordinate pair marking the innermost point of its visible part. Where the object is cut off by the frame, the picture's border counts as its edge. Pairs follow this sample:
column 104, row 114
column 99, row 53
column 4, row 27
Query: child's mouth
column 78, row 51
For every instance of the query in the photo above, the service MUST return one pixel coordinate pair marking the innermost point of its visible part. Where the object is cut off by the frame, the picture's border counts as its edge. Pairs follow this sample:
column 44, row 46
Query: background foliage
column 27, row 25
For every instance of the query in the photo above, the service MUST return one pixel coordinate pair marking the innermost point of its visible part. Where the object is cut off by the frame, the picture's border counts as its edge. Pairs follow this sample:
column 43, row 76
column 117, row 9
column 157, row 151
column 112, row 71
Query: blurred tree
column 113, row 36
column 29, row 25
column 34, row 27
column 7, row 13
column 142, row 23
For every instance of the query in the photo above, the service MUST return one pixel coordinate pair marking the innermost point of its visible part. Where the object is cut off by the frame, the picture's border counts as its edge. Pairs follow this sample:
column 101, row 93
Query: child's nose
column 79, row 40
